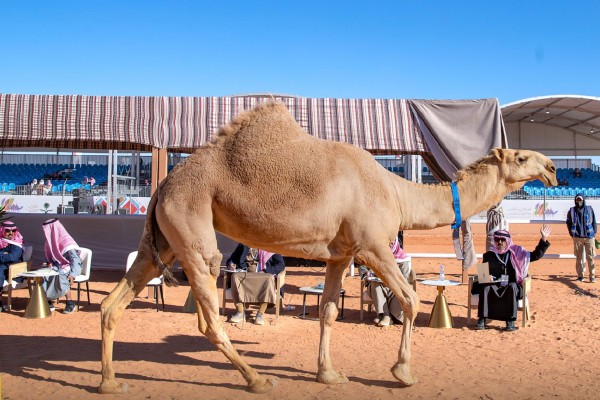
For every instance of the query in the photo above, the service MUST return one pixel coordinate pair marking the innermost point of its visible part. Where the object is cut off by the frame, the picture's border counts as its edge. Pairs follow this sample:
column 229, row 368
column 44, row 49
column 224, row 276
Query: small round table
column 318, row 290
column 37, row 306
column 440, row 313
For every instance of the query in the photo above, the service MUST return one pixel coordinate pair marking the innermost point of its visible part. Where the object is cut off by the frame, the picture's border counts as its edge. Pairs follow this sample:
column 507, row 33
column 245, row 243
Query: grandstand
column 67, row 171
column 16, row 178
column 588, row 184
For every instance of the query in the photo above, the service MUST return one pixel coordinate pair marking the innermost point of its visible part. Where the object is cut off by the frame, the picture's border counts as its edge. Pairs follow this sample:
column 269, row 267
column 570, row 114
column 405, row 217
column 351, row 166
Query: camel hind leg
column 113, row 306
column 383, row 264
column 334, row 276
column 203, row 281
column 194, row 243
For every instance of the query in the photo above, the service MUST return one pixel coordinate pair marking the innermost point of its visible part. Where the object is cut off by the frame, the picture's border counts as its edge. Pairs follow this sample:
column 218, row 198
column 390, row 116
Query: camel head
column 521, row 166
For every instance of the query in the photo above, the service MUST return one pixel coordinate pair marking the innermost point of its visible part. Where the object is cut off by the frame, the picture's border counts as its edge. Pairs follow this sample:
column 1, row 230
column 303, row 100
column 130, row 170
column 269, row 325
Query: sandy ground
column 161, row 355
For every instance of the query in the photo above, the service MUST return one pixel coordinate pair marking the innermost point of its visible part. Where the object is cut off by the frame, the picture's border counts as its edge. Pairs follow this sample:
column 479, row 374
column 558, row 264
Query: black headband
column 50, row 221
column 501, row 234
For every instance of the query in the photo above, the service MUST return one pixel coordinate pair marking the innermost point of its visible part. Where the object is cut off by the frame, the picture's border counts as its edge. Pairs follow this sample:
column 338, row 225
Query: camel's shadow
column 571, row 283
column 28, row 354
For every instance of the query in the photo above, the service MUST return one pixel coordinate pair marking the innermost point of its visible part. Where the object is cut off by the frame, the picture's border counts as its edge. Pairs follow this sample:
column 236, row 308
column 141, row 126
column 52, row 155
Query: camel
column 265, row 182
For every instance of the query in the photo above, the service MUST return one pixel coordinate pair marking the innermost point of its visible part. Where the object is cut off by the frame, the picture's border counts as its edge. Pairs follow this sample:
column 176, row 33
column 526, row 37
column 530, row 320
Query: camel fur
column 266, row 183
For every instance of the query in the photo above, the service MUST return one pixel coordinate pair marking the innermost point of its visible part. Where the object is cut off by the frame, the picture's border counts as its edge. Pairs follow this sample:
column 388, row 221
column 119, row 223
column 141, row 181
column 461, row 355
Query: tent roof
column 554, row 125
column 382, row 126
column 455, row 132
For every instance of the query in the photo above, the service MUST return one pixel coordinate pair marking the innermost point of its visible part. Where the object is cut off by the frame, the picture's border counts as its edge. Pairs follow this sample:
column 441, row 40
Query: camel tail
column 152, row 228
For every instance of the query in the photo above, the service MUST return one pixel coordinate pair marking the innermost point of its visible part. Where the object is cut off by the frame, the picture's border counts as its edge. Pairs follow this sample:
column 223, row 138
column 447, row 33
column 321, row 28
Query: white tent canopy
column 561, row 125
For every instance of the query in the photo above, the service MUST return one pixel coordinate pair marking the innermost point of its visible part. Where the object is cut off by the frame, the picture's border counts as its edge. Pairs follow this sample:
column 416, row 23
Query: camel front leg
column 334, row 276
column 204, row 287
column 113, row 306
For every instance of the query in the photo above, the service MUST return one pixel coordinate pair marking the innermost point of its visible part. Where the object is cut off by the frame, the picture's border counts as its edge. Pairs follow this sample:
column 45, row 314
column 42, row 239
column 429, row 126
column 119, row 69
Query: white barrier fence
column 50, row 204
column 519, row 211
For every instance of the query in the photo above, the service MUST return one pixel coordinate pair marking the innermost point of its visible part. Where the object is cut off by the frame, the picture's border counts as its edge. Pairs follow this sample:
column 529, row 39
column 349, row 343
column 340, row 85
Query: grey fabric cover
column 457, row 132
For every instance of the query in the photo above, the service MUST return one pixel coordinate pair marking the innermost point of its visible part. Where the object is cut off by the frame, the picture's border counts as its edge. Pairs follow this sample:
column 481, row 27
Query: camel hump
column 268, row 122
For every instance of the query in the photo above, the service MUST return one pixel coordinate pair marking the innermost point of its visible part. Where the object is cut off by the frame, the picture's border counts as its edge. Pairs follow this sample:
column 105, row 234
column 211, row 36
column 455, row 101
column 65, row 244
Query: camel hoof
column 262, row 385
column 402, row 373
column 112, row 387
column 331, row 377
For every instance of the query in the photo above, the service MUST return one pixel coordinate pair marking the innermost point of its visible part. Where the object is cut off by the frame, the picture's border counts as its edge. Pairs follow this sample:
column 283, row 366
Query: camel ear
column 498, row 153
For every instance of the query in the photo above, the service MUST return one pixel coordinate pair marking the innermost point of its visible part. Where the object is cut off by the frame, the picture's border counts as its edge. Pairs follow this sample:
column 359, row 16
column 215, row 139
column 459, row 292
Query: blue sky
column 510, row 50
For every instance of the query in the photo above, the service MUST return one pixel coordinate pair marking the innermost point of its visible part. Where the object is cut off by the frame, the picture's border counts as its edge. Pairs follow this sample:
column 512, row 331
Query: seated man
column 11, row 251
column 508, row 263
column 47, row 187
column 385, row 302
column 34, row 186
column 40, row 187
column 254, row 260
column 62, row 256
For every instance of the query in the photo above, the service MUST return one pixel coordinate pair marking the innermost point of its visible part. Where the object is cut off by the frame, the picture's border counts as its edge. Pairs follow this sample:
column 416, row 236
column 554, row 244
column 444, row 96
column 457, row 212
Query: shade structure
column 381, row 126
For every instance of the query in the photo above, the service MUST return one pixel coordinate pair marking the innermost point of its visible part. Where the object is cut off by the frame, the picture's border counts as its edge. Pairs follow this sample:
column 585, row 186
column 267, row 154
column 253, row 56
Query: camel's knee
column 329, row 312
column 415, row 302
column 107, row 314
column 215, row 264
column 216, row 334
column 410, row 305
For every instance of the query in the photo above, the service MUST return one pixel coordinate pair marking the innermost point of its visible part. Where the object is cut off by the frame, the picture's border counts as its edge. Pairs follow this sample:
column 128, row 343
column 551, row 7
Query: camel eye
column 521, row 159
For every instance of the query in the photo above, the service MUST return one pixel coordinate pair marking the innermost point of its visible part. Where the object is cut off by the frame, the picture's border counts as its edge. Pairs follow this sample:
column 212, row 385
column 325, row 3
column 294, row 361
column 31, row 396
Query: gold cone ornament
column 440, row 314
column 37, row 307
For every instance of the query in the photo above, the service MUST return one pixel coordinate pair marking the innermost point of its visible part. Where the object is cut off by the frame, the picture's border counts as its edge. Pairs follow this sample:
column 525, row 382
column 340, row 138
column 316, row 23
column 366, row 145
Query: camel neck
column 431, row 206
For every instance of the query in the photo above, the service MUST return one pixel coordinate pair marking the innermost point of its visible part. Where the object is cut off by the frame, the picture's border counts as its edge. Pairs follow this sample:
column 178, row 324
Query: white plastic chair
column 14, row 270
column 86, row 269
column 156, row 283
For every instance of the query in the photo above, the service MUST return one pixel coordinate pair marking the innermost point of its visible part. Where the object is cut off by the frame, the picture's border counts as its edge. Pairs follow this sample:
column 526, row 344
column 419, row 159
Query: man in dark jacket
column 581, row 222
column 248, row 259
column 11, row 251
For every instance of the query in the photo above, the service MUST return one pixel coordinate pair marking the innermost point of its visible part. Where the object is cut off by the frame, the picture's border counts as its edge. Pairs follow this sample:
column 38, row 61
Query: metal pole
column 544, row 208
column 109, row 183
column 115, row 183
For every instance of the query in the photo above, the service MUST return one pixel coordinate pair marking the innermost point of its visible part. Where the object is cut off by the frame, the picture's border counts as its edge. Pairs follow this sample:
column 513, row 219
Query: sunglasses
column 499, row 240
